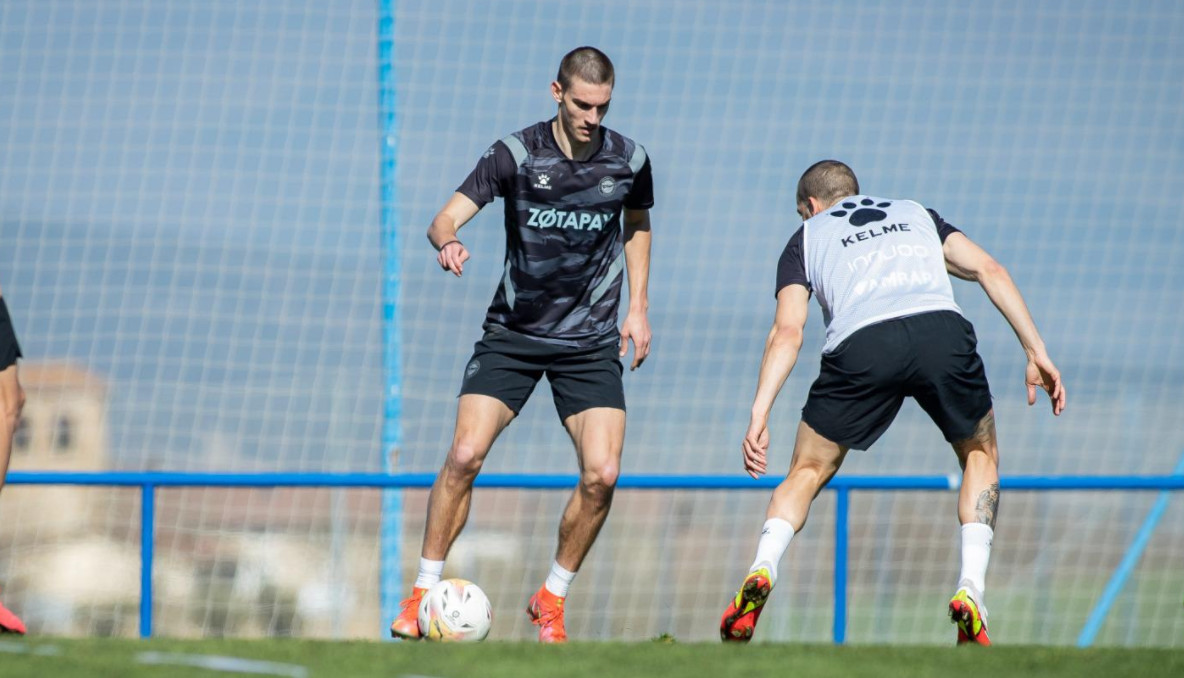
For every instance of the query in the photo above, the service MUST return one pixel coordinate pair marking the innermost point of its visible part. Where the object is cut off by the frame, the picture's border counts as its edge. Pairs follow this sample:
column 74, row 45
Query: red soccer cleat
column 970, row 617
column 406, row 625
column 739, row 620
column 545, row 610
column 9, row 622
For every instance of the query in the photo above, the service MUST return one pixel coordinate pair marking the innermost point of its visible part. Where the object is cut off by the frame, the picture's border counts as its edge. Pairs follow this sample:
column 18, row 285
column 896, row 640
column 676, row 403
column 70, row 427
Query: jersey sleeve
column 791, row 268
column 492, row 177
column 944, row 228
column 641, row 195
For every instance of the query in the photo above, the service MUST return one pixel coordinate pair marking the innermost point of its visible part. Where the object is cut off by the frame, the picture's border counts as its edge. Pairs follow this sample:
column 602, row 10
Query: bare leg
column 978, row 500
column 978, row 505
column 479, row 420
column 12, row 400
column 815, row 461
column 598, row 434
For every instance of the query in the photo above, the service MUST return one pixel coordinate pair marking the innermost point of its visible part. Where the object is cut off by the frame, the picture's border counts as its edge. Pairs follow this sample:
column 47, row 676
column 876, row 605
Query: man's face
column 582, row 107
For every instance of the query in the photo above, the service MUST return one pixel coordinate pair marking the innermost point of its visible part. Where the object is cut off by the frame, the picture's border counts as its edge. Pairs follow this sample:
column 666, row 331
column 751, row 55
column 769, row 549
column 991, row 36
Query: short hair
column 588, row 64
column 827, row 181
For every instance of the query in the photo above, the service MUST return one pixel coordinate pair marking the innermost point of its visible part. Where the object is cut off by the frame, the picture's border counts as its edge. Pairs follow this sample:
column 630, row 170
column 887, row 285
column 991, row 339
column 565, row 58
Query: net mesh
column 189, row 200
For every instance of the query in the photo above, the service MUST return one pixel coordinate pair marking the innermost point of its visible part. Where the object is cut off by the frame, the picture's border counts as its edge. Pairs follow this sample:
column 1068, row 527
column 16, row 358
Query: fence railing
column 842, row 486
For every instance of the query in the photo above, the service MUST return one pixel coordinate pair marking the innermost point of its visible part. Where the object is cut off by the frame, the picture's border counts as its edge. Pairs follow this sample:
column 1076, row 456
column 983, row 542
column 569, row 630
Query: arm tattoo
column 987, row 505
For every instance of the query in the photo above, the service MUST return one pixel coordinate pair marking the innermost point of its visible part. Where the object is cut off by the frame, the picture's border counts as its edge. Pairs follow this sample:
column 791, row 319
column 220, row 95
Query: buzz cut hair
column 827, row 181
column 588, row 64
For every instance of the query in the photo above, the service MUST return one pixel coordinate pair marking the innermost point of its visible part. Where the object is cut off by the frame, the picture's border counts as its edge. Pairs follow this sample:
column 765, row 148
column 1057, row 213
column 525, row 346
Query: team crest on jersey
column 607, row 186
column 542, row 180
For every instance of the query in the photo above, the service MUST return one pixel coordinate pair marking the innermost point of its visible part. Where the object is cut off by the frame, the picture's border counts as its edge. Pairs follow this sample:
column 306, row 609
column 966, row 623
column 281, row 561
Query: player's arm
column 968, row 261
column 781, row 354
column 637, row 266
column 451, row 253
column 492, row 177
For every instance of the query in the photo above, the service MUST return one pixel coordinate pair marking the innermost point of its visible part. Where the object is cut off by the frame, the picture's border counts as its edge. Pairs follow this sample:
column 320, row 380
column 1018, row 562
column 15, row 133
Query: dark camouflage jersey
column 565, row 260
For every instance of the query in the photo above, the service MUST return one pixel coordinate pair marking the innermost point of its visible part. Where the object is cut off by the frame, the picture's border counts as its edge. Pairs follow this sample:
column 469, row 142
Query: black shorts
column 10, row 350
column 931, row 357
column 507, row 365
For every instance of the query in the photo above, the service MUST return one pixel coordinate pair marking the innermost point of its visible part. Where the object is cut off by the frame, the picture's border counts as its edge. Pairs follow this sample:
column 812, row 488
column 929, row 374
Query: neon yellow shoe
column 739, row 620
column 406, row 625
column 969, row 616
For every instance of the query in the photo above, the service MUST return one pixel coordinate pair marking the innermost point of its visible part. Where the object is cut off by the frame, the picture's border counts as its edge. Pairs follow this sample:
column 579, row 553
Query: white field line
column 221, row 663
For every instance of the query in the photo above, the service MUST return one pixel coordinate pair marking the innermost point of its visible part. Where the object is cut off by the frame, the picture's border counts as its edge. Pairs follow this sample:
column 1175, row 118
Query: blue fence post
column 390, row 578
column 842, row 508
column 147, row 545
column 1130, row 561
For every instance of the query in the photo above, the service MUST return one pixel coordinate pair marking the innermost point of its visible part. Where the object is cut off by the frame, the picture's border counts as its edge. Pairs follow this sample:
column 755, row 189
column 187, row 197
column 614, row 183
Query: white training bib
column 873, row 259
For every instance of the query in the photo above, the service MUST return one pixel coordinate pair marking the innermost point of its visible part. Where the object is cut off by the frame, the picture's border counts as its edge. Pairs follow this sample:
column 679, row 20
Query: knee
column 11, row 409
column 465, row 459
column 979, row 457
column 983, row 460
column 599, row 481
column 811, row 473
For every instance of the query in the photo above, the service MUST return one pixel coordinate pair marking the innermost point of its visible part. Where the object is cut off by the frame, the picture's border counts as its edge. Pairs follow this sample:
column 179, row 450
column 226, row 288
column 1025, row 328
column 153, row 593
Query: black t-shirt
column 564, row 247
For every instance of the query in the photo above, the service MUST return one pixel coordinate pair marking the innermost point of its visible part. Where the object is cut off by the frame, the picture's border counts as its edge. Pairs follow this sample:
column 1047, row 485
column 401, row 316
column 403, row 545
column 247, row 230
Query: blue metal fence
column 149, row 482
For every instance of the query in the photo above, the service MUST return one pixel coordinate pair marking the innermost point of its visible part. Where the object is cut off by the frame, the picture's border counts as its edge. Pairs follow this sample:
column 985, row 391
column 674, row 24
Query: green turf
column 94, row 658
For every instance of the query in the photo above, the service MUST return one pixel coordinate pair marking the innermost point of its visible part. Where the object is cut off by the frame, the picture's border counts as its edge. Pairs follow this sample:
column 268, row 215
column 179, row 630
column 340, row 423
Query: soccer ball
column 455, row 610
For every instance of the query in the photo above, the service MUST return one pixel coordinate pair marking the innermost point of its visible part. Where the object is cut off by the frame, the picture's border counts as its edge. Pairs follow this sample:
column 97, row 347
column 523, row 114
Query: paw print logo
column 864, row 213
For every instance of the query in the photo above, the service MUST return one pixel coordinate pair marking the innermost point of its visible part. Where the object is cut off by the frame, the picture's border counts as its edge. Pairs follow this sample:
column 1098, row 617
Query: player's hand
column 756, row 447
column 637, row 328
column 452, row 257
column 1042, row 373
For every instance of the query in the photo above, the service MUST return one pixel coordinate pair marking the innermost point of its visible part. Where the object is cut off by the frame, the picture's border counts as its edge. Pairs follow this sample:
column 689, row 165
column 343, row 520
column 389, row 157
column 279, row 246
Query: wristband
column 449, row 243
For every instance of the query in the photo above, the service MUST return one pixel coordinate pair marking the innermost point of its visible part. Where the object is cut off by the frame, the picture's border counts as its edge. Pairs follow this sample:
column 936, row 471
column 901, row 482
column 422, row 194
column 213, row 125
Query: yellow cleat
column 969, row 617
column 739, row 620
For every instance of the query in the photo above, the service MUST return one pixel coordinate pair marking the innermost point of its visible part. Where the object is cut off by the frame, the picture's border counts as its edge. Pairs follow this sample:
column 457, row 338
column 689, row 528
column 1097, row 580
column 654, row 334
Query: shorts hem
column 563, row 416
column 845, row 441
column 975, row 420
column 516, row 410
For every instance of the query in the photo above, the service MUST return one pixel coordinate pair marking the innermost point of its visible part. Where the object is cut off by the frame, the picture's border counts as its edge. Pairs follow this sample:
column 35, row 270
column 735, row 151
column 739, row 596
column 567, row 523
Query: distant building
column 229, row 562
column 63, row 428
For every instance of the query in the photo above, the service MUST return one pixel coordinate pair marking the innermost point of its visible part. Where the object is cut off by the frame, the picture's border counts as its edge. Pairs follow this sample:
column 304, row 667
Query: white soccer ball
column 455, row 610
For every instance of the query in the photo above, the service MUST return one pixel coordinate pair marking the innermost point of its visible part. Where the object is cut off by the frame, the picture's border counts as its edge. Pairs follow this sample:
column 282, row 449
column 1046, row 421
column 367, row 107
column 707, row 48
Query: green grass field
column 92, row 658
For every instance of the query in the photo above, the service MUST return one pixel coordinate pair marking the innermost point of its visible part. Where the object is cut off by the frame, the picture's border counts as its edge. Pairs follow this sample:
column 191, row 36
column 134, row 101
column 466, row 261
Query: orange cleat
column 969, row 616
column 545, row 610
column 9, row 622
column 739, row 620
column 406, row 625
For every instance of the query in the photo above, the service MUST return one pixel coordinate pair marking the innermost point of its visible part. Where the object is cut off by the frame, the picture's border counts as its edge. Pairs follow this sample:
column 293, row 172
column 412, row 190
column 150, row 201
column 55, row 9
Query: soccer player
column 878, row 268
column 12, row 399
column 576, row 197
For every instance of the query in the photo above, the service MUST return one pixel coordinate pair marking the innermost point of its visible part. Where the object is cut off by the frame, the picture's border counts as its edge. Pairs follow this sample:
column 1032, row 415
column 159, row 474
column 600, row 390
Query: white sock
column 430, row 572
column 559, row 580
column 775, row 537
column 976, row 553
